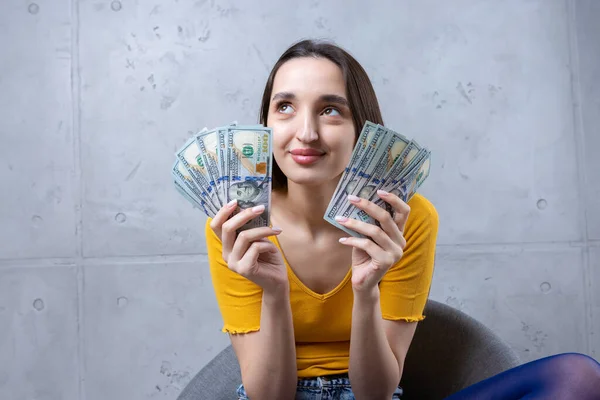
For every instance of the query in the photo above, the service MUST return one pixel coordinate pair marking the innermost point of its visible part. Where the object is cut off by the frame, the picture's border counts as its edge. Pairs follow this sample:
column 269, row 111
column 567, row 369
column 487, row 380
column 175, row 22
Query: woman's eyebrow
column 284, row 96
column 326, row 98
column 334, row 98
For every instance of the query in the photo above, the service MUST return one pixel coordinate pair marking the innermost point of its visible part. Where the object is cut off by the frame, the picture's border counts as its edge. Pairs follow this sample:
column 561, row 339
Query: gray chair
column 449, row 352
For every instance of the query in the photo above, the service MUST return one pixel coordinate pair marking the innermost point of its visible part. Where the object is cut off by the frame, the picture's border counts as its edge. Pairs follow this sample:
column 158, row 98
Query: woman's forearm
column 271, row 373
column 374, row 372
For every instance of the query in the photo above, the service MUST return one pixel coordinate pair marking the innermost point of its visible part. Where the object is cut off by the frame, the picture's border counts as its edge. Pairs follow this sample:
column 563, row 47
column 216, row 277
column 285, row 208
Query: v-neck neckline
column 305, row 288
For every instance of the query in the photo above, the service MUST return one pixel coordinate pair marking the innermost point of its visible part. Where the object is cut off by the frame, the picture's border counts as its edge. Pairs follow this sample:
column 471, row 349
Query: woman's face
column 313, row 132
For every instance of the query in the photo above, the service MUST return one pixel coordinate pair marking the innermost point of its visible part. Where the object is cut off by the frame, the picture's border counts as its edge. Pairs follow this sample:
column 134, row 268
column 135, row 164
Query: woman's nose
column 308, row 131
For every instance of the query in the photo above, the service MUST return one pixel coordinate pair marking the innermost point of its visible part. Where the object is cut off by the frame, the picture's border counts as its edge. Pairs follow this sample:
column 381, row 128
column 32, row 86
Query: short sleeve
column 238, row 298
column 405, row 287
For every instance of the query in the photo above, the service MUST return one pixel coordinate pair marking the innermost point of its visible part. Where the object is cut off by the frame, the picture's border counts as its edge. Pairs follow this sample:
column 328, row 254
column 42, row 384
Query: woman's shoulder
column 207, row 229
column 212, row 240
column 423, row 213
column 421, row 205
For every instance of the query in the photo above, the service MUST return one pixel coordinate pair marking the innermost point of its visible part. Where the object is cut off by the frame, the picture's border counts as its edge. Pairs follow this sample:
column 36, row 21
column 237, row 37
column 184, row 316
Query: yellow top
column 322, row 321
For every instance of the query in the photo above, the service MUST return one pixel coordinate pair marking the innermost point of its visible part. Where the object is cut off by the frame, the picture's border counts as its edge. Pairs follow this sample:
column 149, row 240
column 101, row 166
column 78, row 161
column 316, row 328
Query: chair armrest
column 451, row 351
column 218, row 380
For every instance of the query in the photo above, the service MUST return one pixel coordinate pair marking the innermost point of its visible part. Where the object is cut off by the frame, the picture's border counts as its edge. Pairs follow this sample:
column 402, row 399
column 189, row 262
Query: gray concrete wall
column 104, row 287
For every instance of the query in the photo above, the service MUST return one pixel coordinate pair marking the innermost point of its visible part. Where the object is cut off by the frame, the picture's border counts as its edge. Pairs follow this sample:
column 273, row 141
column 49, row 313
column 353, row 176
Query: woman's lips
column 306, row 156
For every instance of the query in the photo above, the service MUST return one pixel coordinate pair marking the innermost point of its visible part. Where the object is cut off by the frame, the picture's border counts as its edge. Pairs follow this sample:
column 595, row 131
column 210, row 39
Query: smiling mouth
column 306, row 156
column 307, row 152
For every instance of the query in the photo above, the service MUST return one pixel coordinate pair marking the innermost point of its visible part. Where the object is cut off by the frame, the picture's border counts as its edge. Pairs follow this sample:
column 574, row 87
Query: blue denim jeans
column 322, row 388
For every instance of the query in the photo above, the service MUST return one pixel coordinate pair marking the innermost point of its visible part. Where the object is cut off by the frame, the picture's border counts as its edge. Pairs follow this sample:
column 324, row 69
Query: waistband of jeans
column 325, row 381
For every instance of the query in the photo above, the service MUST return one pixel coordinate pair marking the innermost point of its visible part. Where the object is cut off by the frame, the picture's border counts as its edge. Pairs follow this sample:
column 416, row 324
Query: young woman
column 312, row 313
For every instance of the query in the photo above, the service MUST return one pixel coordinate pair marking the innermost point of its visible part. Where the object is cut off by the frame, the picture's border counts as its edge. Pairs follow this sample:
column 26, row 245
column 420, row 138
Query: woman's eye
column 330, row 111
column 286, row 109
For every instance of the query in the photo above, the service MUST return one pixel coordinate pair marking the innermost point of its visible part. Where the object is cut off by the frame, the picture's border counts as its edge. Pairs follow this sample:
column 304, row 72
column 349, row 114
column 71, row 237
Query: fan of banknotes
column 381, row 160
column 227, row 163
column 234, row 162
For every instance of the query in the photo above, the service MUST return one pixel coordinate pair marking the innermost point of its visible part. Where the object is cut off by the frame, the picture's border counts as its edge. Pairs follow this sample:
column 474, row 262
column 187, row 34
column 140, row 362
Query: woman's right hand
column 250, row 254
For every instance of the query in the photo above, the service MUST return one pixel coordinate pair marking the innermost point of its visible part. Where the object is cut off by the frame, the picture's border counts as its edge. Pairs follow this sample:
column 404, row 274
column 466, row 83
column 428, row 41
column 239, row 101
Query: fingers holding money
column 248, row 266
column 376, row 234
column 247, row 239
column 221, row 217
column 390, row 229
column 248, row 252
column 231, row 227
column 256, row 258
column 401, row 209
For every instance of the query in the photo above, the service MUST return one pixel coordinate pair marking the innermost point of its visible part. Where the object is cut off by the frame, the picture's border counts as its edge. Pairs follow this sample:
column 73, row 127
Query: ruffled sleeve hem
column 237, row 331
column 406, row 319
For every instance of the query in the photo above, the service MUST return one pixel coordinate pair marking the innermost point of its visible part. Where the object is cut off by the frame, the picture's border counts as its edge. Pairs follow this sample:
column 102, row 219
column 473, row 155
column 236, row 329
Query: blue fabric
column 322, row 388
column 564, row 376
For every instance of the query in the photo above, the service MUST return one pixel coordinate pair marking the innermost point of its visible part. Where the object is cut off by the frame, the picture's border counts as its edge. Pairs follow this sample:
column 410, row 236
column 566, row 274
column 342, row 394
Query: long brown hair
column 361, row 95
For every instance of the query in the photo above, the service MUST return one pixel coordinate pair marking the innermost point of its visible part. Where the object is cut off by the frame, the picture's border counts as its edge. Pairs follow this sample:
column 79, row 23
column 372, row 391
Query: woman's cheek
column 278, row 151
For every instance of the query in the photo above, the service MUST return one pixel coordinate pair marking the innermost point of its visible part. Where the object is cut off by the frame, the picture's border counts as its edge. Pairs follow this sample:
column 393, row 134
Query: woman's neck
column 304, row 206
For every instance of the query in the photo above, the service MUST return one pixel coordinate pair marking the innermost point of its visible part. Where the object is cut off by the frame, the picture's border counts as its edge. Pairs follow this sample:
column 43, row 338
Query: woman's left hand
column 383, row 247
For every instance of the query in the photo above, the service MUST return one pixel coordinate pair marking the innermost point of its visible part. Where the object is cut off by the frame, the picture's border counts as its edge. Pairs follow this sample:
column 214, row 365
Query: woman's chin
column 313, row 179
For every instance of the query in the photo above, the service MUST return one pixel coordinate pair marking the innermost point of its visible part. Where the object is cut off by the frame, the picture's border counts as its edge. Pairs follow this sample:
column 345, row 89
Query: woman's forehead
column 309, row 75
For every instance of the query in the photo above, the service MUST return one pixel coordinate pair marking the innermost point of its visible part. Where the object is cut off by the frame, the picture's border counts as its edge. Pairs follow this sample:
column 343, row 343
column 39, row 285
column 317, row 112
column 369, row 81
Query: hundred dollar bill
column 366, row 135
column 208, row 142
column 186, row 195
column 402, row 164
column 339, row 200
column 388, row 181
column 183, row 176
column 406, row 186
column 408, row 158
column 422, row 174
column 340, row 195
column 223, row 180
column 399, row 187
column 191, row 158
column 250, row 167
column 404, row 167
column 381, row 163
column 405, row 182
column 222, row 161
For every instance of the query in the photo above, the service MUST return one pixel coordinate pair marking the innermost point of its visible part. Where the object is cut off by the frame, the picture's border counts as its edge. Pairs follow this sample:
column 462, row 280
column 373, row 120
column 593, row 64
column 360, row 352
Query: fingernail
column 276, row 229
column 231, row 203
column 353, row 199
column 339, row 218
column 258, row 209
column 382, row 193
column 342, row 240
